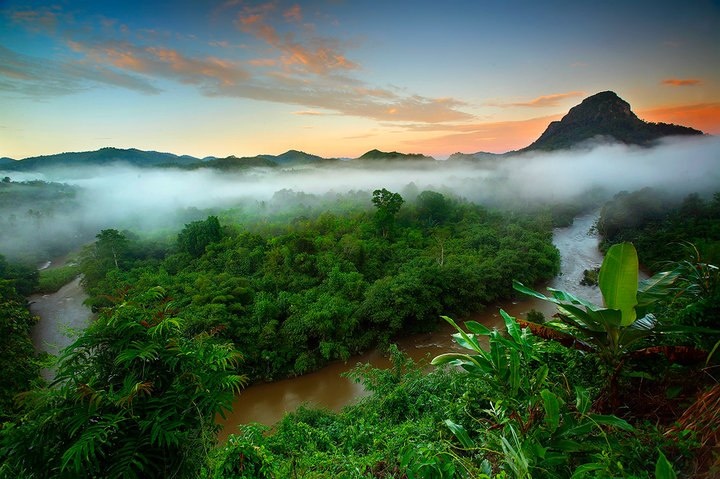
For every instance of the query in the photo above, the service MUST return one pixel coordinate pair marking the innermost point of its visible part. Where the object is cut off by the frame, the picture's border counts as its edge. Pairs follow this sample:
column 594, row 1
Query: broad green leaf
column 663, row 468
column 582, row 399
column 450, row 358
column 609, row 318
column 467, row 341
column 477, row 328
column 618, row 280
column 518, row 286
column 515, row 372
column 460, row 433
column 584, row 469
column 552, row 409
column 462, row 333
column 564, row 296
column 511, row 325
column 541, row 375
column 580, row 318
column 614, row 421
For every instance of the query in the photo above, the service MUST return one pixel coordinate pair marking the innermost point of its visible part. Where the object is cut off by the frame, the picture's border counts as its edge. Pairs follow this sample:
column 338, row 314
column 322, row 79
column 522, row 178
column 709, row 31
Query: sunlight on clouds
column 293, row 14
column 543, row 101
column 494, row 137
column 681, row 82
column 703, row 116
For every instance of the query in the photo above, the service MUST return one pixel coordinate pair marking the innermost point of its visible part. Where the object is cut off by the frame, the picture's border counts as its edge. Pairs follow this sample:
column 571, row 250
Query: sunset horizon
column 337, row 79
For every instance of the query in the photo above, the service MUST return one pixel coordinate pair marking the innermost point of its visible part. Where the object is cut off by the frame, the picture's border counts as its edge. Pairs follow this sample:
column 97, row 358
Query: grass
column 53, row 279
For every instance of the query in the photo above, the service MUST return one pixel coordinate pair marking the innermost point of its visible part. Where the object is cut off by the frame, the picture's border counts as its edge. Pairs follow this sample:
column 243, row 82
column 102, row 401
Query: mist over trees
column 203, row 280
column 53, row 212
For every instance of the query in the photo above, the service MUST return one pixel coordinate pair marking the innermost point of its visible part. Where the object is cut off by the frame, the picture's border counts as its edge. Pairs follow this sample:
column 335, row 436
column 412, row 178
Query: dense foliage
column 657, row 222
column 521, row 408
column 135, row 396
column 19, row 366
column 294, row 296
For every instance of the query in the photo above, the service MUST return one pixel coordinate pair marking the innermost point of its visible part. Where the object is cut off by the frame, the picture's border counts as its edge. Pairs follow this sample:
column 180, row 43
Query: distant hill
column 6, row 162
column 293, row 157
column 604, row 115
column 235, row 163
column 103, row 156
column 475, row 157
column 393, row 155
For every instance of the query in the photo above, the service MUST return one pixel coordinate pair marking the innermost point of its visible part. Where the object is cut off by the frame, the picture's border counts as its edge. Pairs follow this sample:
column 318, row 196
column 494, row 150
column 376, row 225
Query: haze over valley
column 371, row 240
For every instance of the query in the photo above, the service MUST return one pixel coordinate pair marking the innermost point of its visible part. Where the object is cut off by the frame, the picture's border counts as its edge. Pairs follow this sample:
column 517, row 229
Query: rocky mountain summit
column 604, row 116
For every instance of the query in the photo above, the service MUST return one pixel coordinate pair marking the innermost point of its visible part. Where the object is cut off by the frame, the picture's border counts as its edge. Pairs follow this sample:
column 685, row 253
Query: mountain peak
column 393, row 155
column 601, row 107
column 604, row 115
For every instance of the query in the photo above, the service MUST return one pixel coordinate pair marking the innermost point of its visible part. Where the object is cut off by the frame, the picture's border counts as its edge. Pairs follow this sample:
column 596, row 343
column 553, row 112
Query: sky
column 337, row 78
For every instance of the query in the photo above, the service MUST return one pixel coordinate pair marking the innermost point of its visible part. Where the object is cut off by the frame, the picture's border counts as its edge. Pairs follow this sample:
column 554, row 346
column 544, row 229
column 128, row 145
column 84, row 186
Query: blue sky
column 337, row 78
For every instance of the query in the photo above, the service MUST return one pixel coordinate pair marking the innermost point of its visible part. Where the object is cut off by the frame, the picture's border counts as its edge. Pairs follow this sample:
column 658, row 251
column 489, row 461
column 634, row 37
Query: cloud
column 544, row 101
column 681, row 82
column 121, row 197
column 495, row 137
column 313, row 73
column 319, row 56
column 40, row 20
column 42, row 77
column 163, row 62
column 703, row 116
column 293, row 14
column 262, row 62
column 309, row 113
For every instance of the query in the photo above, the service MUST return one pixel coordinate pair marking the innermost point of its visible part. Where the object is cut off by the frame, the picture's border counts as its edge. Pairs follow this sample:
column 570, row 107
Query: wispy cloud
column 292, row 66
column 163, row 62
column 319, row 56
column 543, row 101
column 496, row 137
column 293, row 14
column 703, row 116
column 41, row 19
column 681, row 82
column 309, row 113
column 29, row 76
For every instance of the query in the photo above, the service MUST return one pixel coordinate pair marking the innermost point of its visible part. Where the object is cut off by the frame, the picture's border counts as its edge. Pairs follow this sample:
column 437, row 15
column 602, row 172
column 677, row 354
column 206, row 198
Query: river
column 62, row 313
column 62, row 316
column 267, row 403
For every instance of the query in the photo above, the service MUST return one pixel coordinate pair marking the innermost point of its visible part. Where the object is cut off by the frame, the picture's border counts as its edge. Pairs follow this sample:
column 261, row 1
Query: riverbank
column 63, row 314
column 266, row 403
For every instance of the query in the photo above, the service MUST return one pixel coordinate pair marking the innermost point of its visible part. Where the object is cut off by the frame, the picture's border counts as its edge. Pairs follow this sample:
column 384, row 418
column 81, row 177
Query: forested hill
column 374, row 155
column 101, row 157
column 607, row 116
column 6, row 162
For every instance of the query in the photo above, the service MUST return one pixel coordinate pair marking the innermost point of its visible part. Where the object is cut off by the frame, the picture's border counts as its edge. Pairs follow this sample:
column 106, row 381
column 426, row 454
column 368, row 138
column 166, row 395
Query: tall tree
column 197, row 235
column 388, row 204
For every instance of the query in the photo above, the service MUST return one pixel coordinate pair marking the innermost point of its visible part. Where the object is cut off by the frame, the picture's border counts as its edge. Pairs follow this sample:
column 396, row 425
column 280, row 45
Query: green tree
column 134, row 396
column 388, row 204
column 109, row 252
column 433, row 208
column 20, row 368
column 196, row 236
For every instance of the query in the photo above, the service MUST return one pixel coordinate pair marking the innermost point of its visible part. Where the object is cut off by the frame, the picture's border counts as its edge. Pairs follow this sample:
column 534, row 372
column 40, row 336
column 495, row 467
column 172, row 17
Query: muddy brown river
column 63, row 313
column 267, row 403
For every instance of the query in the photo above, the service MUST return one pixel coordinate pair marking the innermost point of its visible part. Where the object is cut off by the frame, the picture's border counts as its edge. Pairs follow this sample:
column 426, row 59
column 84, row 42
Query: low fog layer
column 127, row 197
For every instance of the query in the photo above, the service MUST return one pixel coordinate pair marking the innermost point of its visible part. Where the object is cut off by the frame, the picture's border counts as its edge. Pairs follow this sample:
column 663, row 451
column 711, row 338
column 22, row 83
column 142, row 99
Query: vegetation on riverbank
column 18, row 362
column 52, row 279
column 137, row 393
column 294, row 295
